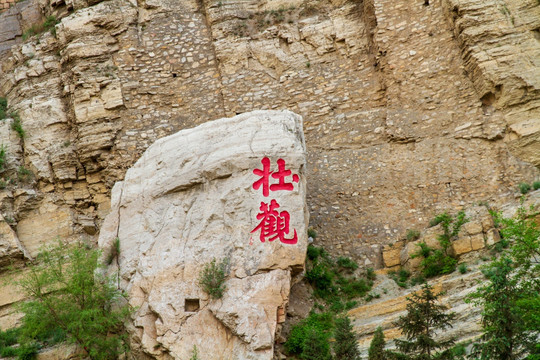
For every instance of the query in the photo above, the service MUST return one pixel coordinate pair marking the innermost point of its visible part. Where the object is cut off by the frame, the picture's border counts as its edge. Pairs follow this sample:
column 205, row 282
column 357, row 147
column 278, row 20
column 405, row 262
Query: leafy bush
column 329, row 283
column 8, row 337
column 48, row 25
column 462, row 268
column 438, row 261
column 536, row 185
column 400, row 277
column 16, row 125
column 3, row 155
column 212, row 278
column 321, row 324
column 370, row 274
column 524, row 188
column 85, row 306
column 24, row 175
column 3, row 108
column 314, row 252
column 347, row 263
column 413, row 235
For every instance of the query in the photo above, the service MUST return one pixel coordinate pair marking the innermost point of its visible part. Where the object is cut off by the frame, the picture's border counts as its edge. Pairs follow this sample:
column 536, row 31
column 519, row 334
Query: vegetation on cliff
column 425, row 316
column 336, row 288
column 511, row 297
column 71, row 299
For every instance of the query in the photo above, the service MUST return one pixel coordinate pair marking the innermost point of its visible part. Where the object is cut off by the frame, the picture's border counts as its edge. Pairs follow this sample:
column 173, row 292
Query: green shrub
column 352, row 287
column 321, row 276
column 419, row 279
column 322, row 324
column 524, row 188
column 346, row 263
column 85, row 305
column 194, row 353
column 536, row 185
column 27, row 351
column 314, row 252
column 16, row 125
column 9, row 337
column 438, row 219
column 8, row 351
column 3, row 108
column 312, row 233
column 213, row 276
column 48, row 25
column 3, row 155
column 438, row 262
column 462, row 268
column 24, row 175
column 370, row 274
column 413, row 235
column 400, row 277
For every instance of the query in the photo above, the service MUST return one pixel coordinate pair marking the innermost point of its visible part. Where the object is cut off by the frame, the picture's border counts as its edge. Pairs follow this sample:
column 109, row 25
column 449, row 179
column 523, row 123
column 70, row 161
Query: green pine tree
column 511, row 296
column 345, row 346
column 376, row 347
column 316, row 346
column 424, row 316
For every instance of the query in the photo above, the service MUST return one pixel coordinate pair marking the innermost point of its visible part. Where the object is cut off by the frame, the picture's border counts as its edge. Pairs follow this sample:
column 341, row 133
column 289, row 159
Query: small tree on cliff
column 424, row 316
column 376, row 347
column 345, row 347
column 66, row 293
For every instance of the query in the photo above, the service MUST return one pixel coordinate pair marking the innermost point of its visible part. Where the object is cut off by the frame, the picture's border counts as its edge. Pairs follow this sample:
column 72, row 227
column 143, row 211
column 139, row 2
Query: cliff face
column 409, row 108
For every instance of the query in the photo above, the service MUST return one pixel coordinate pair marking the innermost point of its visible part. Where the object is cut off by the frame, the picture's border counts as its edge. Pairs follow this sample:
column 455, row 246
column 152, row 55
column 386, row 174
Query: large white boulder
column 214, row 191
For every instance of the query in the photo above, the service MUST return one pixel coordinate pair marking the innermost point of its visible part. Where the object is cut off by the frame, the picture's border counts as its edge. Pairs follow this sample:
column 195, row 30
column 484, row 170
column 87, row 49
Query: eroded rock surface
column 189, row 199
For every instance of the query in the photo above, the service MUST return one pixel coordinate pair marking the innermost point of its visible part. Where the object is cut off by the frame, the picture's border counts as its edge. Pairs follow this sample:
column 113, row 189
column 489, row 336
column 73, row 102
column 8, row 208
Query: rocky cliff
column 410, row 108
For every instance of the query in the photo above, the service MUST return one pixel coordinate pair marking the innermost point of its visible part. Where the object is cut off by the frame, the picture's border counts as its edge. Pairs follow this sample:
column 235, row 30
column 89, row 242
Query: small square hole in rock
column 191, row 305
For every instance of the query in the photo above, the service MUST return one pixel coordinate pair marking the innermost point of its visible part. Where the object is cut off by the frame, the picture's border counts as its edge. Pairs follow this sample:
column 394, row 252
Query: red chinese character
column 274, row 225
column 281, row 174
column 265, row 175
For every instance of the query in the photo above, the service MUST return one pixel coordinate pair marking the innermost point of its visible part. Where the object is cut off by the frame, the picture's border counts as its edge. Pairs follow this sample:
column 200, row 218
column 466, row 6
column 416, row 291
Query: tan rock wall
column 395, row 129
column 409, row 109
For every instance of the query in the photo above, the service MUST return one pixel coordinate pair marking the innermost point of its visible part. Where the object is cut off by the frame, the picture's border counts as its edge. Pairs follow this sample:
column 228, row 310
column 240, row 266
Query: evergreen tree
column 424, row 316
column 376, row 347
column 345, row 347
column 500, row 320
column 316, row 346
column 511, row 296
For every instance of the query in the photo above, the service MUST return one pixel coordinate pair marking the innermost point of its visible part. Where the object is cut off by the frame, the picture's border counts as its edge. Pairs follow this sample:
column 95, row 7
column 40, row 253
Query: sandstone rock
column 462, row 245
column 391, row 255
column 190, row 198
column 44, row 225
column 477, row 241
column 472, row 227
column 492, row 237
column 11, row 249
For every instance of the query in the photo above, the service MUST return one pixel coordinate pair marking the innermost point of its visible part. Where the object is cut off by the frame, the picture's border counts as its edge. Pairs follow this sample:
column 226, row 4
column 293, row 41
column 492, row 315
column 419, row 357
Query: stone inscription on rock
column 274, row 224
